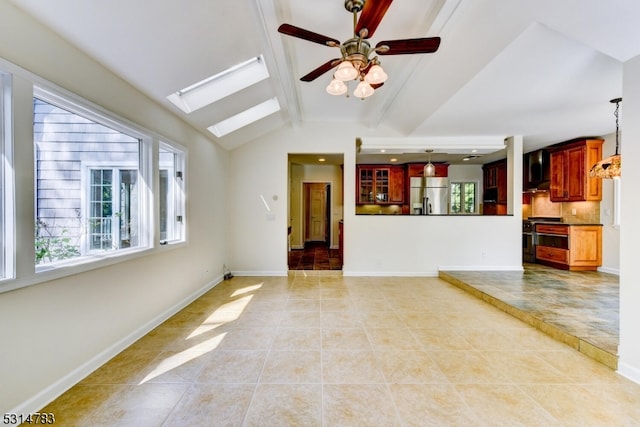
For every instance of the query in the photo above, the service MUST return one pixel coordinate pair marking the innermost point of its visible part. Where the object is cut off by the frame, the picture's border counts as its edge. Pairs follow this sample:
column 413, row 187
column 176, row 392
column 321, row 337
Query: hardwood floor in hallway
column 315, row 256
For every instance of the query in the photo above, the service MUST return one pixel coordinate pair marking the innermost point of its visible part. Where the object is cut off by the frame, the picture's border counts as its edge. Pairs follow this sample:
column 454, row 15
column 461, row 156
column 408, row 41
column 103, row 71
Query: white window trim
column 179, row 205
column 7, row 197
column 24, row 276
column 85, row 109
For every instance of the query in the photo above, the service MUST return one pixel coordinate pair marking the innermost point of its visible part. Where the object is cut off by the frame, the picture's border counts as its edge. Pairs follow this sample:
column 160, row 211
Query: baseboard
column 50, row 393
column 628, row 371
column 270, row 273
column 609, row 270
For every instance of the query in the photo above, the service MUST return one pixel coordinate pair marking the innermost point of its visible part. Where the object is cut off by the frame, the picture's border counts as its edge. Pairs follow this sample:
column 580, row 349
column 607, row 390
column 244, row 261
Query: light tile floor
column 323, row 350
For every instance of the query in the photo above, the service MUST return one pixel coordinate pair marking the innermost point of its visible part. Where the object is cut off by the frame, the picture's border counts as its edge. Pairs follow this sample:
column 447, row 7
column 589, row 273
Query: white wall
column 374, row 245
column 55, row 332
column 629, row 362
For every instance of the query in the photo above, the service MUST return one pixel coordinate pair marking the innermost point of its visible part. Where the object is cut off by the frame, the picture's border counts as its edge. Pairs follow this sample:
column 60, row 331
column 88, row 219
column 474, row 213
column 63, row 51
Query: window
column 89, row 200
column 464, row 197
column 113, row 207
column 171, row 193
column 6, row 180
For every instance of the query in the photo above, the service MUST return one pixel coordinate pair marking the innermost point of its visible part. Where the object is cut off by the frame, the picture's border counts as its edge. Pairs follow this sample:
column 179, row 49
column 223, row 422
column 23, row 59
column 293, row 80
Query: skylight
column 220, row 85
column 244, row 118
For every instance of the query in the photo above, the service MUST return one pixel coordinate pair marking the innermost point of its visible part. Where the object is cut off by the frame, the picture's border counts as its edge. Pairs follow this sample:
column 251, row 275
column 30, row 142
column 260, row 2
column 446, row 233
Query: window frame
column 178, row 190
column 7, row 177
column 19, row 259
column 85, row 109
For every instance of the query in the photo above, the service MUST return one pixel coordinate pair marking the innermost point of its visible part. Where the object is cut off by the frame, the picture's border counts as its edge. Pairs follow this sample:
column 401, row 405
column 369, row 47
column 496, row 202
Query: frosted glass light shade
column 346, row 71
column 429, row 169
column 363, row 90
column 376, row 75
column 336, row 87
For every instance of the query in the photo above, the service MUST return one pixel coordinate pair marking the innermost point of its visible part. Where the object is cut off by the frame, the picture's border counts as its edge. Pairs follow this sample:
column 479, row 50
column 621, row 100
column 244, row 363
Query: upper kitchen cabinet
column 570, row 165
column 377, row 184
column 495, row 187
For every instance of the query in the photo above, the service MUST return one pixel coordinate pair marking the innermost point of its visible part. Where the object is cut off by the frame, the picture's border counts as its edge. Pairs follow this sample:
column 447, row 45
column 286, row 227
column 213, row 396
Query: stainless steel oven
column 528, row 242
column 530, row 238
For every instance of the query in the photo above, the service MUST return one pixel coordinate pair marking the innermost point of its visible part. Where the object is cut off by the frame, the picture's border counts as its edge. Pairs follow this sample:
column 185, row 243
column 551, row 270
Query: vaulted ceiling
column 544, row 69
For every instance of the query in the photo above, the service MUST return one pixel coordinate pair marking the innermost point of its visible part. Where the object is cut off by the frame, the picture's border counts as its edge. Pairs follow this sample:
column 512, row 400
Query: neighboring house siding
column 64, row 143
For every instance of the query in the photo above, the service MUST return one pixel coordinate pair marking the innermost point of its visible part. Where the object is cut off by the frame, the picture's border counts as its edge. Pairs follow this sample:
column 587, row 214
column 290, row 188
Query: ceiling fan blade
column 320, row 70
column 301, row 33
column 371, row 15
column 376, row 85
column 408, row 46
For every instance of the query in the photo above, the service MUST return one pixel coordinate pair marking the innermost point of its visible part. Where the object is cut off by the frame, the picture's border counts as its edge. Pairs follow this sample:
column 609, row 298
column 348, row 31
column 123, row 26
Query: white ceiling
column 544, row 69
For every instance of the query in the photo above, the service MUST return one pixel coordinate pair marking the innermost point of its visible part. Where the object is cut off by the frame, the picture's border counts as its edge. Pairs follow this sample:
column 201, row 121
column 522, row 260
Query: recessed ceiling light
column 383, row 150
column 244, row 118
column 393, row 159
column 220, row 85
column 321, row 159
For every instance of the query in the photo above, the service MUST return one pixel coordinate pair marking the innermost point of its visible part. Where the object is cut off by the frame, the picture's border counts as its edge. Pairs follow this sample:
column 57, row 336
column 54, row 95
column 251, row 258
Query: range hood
column 537, row 174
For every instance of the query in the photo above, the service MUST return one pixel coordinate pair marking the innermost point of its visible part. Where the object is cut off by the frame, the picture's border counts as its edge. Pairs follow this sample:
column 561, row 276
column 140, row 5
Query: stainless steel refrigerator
column 429, row 196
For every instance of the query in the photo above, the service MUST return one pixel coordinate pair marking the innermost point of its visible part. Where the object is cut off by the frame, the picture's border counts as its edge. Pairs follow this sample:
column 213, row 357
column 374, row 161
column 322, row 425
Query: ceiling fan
column 356, row 62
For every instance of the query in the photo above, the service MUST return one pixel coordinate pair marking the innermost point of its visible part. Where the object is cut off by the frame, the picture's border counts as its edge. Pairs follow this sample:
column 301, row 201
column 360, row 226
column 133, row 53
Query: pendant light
column 611, row 166
column 429, row 168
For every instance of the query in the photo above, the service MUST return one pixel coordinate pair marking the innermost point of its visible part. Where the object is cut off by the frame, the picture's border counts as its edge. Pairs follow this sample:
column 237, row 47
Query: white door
column 317, row 212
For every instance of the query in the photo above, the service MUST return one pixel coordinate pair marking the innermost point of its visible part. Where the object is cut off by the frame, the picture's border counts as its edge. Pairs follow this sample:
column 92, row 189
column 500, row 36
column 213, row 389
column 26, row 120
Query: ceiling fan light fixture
column 336, row 87
column 346, row 71
column 376, row 75
column 363, row 90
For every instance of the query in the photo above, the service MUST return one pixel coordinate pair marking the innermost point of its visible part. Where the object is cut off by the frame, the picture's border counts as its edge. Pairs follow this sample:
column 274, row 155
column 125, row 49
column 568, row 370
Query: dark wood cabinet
column 495, row 188
column 570, row 165
column 380, row 184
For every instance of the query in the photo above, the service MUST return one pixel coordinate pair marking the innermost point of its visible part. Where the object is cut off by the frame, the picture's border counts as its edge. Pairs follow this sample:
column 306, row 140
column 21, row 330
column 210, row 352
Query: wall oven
column 531, row 239
column 528, row 242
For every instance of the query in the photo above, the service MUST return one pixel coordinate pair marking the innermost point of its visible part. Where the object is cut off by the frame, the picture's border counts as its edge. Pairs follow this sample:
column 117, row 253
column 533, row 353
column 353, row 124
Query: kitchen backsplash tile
column 572, row 212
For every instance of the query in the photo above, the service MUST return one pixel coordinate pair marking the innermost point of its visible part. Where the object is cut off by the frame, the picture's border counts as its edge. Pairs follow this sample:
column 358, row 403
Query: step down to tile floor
column 604, row 356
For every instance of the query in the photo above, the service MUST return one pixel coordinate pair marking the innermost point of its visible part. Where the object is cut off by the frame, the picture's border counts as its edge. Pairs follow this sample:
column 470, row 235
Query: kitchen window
column 89, row 171
column 464, row 197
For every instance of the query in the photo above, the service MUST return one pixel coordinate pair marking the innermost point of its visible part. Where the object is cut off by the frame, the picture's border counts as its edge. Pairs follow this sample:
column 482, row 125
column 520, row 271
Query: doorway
column 315, row 211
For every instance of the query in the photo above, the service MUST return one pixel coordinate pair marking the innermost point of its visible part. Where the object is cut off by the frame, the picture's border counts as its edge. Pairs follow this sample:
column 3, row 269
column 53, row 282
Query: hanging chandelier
column 610, row 167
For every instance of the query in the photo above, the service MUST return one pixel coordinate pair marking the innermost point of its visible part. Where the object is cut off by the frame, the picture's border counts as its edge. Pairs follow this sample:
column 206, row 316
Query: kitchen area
column 561, row 224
